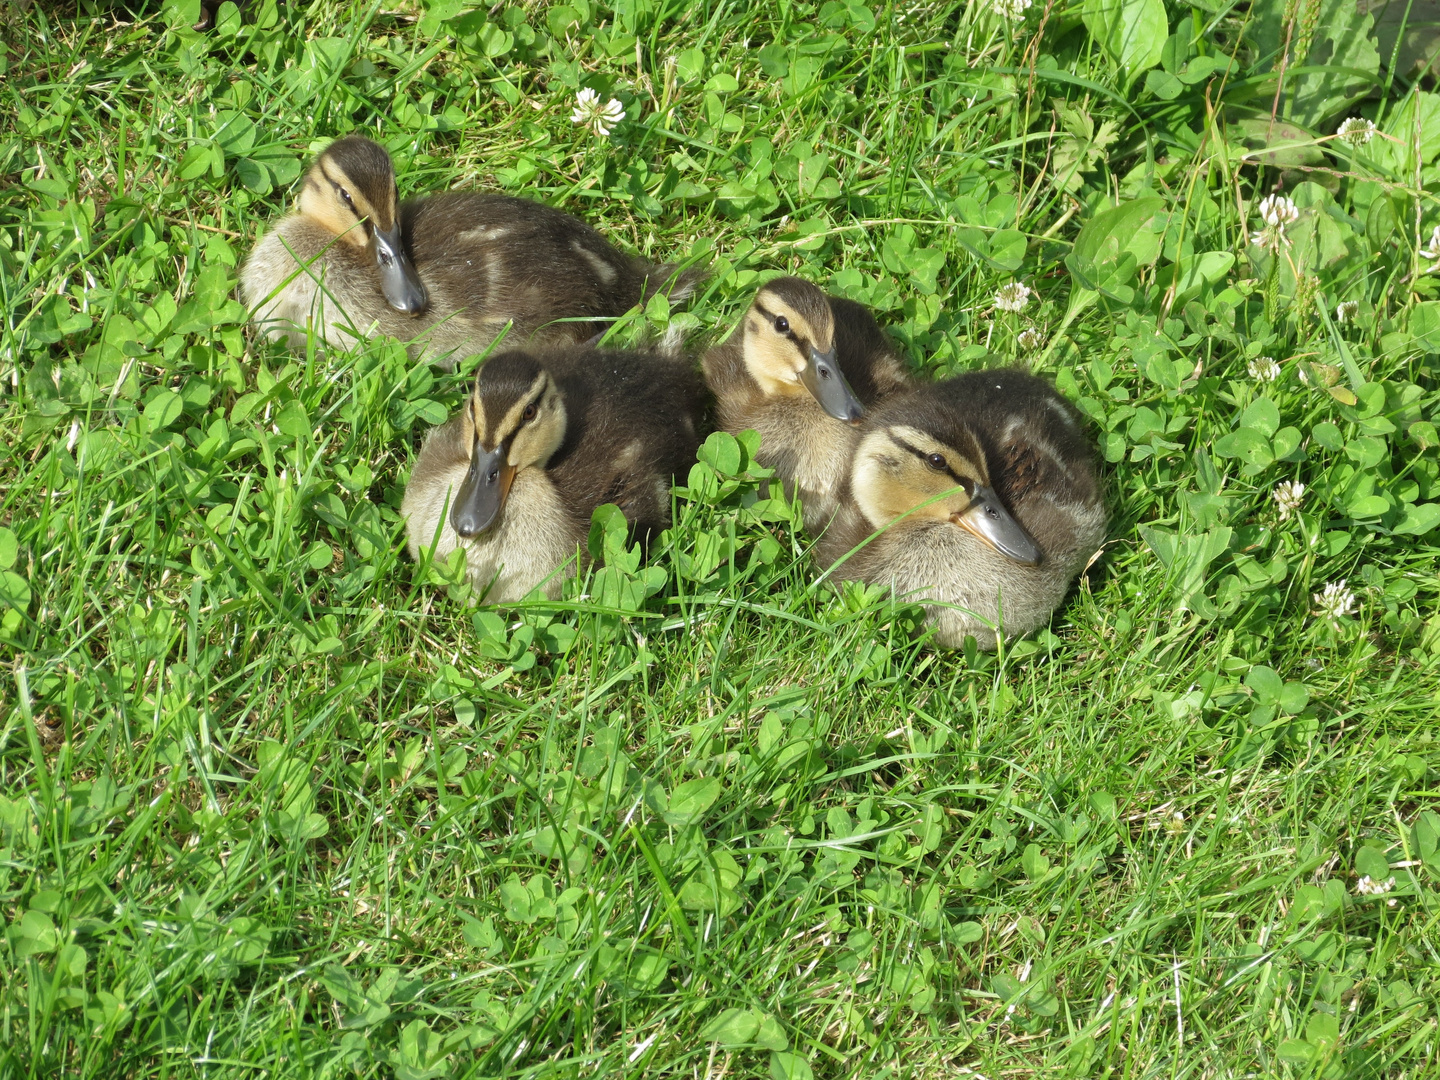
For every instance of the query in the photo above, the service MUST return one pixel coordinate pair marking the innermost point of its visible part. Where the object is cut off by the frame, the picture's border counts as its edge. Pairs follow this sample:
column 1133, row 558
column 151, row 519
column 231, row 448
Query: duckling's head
column 789, row 347
column 350, row 190
column 516, row 419
column 902, row 470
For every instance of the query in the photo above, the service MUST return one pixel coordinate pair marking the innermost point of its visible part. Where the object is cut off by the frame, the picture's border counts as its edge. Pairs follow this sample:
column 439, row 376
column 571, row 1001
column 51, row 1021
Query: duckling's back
column 509, row 258
column 633, row 422
column 866, row 355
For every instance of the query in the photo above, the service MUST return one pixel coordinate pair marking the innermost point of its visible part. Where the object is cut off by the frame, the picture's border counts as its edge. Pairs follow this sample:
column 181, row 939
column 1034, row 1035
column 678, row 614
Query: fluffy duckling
column 801, row 370
column 450, row 270
column 978, row 498
column 543, row 440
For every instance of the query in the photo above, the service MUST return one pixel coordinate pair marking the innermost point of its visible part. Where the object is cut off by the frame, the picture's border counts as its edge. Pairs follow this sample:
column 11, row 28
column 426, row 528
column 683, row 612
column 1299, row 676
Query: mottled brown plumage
column 448, row 272
column 545, row 438
column 760, row 380
column 976, row 496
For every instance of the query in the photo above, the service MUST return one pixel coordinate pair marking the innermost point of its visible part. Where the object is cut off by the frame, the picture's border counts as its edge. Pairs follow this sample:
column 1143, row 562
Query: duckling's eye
column 782, row 325
column 529, row 413
column 346, row 196
column 936, row 462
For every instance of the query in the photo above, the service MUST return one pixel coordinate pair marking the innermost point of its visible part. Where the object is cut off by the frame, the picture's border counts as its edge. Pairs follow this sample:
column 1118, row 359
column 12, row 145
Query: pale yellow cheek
column 334, row 218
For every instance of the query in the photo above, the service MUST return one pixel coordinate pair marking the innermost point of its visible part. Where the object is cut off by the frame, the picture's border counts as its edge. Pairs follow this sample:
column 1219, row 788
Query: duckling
column 978, row 497
column 448, row 271
column 801, row 370
column 544, row 439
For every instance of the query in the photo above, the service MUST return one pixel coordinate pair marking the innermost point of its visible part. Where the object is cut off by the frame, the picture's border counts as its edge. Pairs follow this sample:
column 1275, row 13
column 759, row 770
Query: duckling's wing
column 508, row 258
column 1042, row 451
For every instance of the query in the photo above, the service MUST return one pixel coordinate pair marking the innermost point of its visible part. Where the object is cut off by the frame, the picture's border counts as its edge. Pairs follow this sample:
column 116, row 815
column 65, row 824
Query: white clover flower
column 1030, row 339
column 1334, row 601
column 1012, row 297
column 600, row 118
column 1368, row 886
column 1432, row 251
column 1346, row 310
column 1288, row 496
column 1010, row 9
column 1263, row 369
column 1272, row 237
column 1276, row 211
column 1357, row 131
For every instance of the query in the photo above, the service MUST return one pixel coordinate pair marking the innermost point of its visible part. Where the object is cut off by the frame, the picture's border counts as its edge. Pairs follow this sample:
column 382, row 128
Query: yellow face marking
column 893, row 475
column 331, row 200
column 773, row 357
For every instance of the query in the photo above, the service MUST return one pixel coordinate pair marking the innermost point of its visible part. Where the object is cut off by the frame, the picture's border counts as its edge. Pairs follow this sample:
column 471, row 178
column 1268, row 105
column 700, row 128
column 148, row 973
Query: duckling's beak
column 482, row 493
column 823, row 378
column 398, row 280
column 988, row 519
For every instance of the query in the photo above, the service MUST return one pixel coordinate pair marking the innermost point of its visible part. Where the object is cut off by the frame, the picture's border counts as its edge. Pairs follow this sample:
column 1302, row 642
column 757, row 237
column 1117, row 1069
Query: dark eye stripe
column 769, row 316
column 534, row 401
column 924, row 457
column 477, row 400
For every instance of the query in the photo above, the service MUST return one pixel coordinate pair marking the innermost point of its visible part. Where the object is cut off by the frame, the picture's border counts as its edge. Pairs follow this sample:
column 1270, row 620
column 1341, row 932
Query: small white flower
column 1030, row 339
column 1357, row 131
column 1288, row 496
column 1263, row 369
column 1012, row 297
column 1346, row 310
column 1368, row 886
column 1432, row 251
column 600, row 118
column 1010, row 9
column 1278, row 210
column 1270, row 237
column 1334, row 601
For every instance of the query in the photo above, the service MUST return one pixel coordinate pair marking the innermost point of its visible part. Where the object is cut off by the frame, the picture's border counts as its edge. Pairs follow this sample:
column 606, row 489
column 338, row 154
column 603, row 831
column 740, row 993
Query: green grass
column 278, row 802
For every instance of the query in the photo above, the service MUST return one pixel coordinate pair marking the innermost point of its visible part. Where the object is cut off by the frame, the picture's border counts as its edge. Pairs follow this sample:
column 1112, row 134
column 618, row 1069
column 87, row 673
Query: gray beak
column 823, row 378
column 398, row 279
column 483, row 491
column 988, row 519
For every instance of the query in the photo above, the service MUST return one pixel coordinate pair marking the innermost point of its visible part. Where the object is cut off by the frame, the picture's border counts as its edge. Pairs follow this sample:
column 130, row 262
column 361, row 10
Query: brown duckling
column 447, row 272
column 544, row 439
column 978, row 498
column 801, row 369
